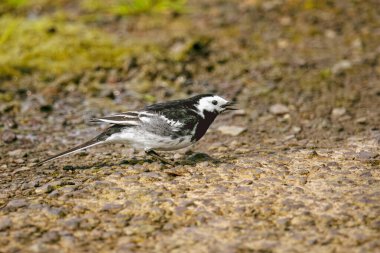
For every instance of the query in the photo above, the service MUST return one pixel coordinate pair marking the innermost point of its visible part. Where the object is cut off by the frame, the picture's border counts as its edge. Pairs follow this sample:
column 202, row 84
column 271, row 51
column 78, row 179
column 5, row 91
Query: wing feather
column 147, row 117
column 126, row 118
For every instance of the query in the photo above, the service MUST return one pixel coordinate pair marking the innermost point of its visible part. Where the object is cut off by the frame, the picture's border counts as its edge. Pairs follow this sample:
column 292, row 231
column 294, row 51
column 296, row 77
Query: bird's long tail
column 87, row 144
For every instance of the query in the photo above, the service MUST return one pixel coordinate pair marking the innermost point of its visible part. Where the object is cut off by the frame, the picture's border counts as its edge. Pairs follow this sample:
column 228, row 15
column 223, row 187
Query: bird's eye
column 214, row 102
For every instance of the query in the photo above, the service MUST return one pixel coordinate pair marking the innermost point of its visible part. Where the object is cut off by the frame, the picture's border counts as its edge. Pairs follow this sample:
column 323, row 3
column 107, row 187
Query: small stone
column 5, row 223
column 289, row 137
column 283, row 222
column 286, row 20
column 366, row 155
column 296, row 129
column 375, row 225
column 8, row 136
column 303, row 172
column 341, row 66
column 281, row 43
column 68, row 189
column 222, row 149
column 67, row 241
column 232, row 130
column 50, row 237
column 47, row 188
column 242, row 150
column 17, row 152
column 38, row 247
column 19, row 161
column 16, row 203
column 111, row 208
column 330, row 33
column 362, row 120
column 73, row 223
column 239, row 112
column 278, row 109
column 56, row 211
column 177, row 156
column 154, row 176
column 338, row 112
column 21, row 169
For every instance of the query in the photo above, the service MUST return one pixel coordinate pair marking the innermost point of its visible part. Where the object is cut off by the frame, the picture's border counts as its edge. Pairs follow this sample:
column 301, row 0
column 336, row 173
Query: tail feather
column 87, row 144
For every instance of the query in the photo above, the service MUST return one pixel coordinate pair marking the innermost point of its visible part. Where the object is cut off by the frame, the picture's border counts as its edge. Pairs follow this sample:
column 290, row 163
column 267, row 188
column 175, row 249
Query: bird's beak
column 229, row 106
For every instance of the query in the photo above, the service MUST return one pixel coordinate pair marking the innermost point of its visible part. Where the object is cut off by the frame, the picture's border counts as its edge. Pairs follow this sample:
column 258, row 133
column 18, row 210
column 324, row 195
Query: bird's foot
column 154, row 154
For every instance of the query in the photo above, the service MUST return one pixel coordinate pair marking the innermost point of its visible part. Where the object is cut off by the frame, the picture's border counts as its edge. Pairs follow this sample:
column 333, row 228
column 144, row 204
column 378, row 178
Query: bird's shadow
column 191, row 159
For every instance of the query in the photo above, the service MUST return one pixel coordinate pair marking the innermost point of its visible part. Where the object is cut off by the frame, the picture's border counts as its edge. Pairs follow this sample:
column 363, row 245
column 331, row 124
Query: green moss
column 325, row 73
column 54, row 46
column 134, row 7
column 6, row 97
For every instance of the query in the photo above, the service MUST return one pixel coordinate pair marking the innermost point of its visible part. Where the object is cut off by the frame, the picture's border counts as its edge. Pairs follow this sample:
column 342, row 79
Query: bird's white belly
column 140, row 139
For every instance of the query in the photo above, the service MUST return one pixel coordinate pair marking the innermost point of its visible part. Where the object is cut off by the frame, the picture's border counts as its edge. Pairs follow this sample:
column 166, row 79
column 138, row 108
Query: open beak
column 229, row 106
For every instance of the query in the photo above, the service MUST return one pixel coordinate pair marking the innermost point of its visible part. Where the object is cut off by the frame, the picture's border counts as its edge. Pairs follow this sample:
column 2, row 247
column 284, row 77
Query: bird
column 162, row 126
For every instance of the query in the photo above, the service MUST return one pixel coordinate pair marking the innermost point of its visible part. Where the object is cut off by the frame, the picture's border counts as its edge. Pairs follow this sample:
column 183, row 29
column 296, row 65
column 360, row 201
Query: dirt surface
column 298, row 169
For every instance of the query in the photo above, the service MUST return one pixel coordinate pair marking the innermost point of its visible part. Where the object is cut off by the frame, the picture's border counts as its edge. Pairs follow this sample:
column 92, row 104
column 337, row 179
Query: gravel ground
column 283, row 200
column 297, row 169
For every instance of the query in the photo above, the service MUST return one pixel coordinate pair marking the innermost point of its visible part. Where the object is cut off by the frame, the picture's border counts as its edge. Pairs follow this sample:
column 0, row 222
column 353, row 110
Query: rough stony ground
column 296, row 170
column 282, row 200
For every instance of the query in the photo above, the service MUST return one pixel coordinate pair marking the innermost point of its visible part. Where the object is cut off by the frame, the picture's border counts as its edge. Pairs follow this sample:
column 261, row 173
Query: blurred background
column 305, row 74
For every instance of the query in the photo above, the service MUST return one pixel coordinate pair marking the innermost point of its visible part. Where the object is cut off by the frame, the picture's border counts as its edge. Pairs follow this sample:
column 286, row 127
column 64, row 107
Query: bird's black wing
column 177, row 111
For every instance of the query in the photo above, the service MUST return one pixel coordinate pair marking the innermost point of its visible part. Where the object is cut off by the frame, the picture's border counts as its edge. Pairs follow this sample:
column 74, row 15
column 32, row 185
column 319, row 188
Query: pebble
column 21, row 169
column 366, row 155
column 283, row 222
column 362, row 120
column 239, row 112
column 8, row 136
column 278, row 109
column 56, row 211
column 46, row 188
column 242, row 150
column 73, row 223
column 231, row 130
column 177, row 156
column 289, row 137
column 341, row 66
column 50, row 237
column 151, row 175
column 338, row 112
column 16, row 203
column 67, row 241
column 111, row 207
column 5, row 223
column 16, row 152
column 19, row 160
column 296, row 129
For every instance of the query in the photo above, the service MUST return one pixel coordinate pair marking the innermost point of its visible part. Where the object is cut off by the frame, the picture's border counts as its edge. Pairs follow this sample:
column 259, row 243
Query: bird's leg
column 153, row 153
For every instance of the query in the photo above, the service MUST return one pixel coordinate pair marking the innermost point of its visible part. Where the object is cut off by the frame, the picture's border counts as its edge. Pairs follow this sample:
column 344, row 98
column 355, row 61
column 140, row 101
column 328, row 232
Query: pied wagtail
column 164, row 126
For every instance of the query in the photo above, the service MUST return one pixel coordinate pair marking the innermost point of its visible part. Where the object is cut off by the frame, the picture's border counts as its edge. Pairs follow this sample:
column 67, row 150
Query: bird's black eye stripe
column 214, row 102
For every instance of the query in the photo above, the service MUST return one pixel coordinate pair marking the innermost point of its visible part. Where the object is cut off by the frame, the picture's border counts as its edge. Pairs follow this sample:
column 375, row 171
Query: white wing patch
column 175, row 124
column 127, row 118
column 146, row 116
column 120, row 122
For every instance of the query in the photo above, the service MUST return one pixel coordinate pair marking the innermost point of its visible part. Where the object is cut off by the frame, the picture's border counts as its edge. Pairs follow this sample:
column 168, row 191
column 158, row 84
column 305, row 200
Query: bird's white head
column 213, row 104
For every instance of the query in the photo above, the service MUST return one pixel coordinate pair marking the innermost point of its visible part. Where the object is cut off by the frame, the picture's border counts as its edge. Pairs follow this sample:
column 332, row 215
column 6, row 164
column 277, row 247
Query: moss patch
column 54, row 46
column 134, row 7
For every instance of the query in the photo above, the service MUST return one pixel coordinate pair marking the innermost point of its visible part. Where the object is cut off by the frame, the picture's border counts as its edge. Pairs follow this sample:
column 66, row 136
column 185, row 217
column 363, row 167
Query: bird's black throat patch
column 204, row 124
